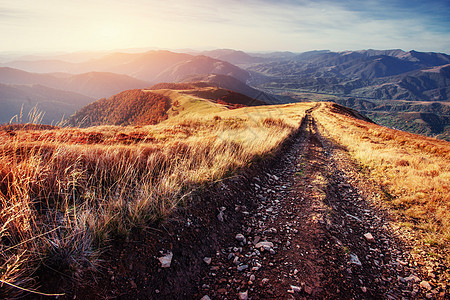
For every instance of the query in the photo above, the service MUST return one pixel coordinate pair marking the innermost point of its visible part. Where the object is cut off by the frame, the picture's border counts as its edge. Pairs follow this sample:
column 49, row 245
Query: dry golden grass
column 413, row 170
column 65, row 192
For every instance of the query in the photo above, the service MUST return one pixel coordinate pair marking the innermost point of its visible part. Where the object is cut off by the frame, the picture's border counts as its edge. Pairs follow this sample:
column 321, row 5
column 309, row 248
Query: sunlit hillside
column 65, row 193
column 159, row 102
column 413, row 172
column 216, row 150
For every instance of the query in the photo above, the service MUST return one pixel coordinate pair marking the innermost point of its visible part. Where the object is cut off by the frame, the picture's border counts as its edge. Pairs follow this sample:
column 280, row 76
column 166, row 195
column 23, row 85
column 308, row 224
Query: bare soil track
column 315, row 209
column 311, row 207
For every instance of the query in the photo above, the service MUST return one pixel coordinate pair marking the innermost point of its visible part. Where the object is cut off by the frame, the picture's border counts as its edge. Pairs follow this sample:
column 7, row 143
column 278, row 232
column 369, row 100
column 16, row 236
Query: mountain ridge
column 52, row 103
column 93, row 84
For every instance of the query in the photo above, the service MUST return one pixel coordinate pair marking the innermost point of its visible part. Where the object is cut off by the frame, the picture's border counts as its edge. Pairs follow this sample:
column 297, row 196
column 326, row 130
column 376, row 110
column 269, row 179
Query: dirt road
column 315, row 234
column 304, row 226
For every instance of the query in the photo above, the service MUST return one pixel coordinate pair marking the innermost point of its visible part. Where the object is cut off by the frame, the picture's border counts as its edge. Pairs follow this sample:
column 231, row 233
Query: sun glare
column 108, row 32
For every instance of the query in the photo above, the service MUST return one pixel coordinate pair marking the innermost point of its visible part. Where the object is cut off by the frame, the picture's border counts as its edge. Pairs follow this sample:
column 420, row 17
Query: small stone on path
column 426, row 285
column 207, row 260
column 243, row 295
column 240, row 237
column 369, row 237
column 296, row 289
column 166, row 260
column 242, row 268
column 264, row 244
column 355, row 260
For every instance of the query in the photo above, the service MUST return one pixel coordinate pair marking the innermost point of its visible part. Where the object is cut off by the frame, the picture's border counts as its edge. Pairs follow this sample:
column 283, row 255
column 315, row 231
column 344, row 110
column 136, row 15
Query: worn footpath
column 316, row 233
column 308, row 225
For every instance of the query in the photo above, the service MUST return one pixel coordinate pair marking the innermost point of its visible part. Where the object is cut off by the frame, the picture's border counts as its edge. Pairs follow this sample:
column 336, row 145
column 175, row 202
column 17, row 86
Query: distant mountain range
column 151, row 66
column 372, row 74
column 375, row 81
column 92, row 84
column 55, row 105
column 104, row 77
column 386, row 74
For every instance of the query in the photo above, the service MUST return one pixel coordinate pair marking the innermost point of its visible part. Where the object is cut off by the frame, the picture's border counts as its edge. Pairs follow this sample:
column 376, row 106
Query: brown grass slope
column 413, row 171
column 236, row 85
column 151, row 106
column 66, row 192
column 134, row 107
column 210, row 91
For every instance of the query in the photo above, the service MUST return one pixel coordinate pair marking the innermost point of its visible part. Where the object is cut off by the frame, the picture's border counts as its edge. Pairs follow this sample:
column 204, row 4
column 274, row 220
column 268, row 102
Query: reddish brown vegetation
column 179, row 86
column 73, row 136
column 226, row 97
column 230, row 105
column 13, row 127
column 133, row 107
column 270, row 122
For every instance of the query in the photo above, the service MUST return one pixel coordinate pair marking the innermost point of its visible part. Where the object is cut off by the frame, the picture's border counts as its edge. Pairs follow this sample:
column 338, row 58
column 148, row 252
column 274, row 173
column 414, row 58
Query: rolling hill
column 233, row 56
column 158, row 103
column 92, row 84
column 132, row 107
column 201, row 65
column 233, row 84
column 145, row 66
column 316, row 185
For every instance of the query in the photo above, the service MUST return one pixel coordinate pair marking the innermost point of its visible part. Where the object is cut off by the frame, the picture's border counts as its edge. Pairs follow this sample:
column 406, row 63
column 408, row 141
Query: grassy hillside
column 425, row 118
column 419, row 117
column 233, row 84
column 159, row 102
column 129, row 107
column 66, row 192
column 429, row 124
column 413, row 171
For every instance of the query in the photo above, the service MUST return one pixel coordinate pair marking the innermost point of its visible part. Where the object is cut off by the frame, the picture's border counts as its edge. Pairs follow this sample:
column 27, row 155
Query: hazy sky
column 254, row 25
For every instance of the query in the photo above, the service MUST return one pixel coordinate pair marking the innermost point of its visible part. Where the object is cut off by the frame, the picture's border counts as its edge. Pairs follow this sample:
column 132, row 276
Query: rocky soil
column 315, row 234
